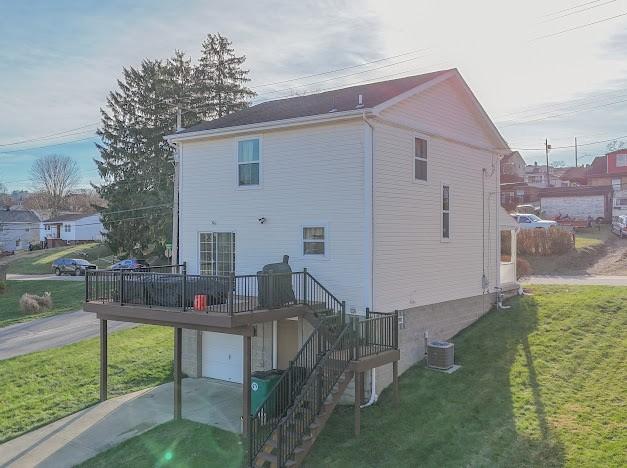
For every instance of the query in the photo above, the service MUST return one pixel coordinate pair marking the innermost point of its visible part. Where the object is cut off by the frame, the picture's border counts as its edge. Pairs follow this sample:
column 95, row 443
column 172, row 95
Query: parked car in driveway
column 531, row 221
column 130, row 264
column 619, row 226
column 71, row 266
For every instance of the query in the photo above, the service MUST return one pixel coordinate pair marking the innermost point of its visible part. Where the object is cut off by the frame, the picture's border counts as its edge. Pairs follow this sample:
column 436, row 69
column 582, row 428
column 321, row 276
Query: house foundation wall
column 442, row 321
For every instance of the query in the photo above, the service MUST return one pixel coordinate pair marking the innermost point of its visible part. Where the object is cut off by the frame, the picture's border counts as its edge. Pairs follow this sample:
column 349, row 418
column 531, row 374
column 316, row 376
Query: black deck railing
column 297, row 398
column 230, row 294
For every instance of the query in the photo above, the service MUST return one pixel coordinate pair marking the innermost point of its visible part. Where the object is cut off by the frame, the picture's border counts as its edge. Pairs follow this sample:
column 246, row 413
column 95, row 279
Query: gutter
column 274, row 124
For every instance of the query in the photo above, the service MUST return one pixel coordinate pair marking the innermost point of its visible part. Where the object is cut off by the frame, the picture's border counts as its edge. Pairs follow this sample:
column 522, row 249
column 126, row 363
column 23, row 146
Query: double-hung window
column 420, row 159
column 68, row 228
column 314, row 240
column 248, row 162
column 446, row 212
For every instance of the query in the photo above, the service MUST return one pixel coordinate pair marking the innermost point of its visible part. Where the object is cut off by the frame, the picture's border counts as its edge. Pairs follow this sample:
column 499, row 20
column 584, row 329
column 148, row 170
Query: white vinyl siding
column 412, row 266
column 310, row 175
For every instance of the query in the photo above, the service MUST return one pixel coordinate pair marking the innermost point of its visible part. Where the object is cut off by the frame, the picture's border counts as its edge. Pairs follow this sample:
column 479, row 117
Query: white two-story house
column 388, row 193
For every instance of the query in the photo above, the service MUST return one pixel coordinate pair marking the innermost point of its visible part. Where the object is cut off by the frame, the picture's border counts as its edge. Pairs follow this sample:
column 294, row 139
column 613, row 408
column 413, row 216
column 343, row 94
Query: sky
column 555, row 70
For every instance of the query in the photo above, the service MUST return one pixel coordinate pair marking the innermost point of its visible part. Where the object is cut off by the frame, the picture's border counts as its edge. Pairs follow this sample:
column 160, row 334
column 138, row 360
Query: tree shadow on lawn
column 488, row 413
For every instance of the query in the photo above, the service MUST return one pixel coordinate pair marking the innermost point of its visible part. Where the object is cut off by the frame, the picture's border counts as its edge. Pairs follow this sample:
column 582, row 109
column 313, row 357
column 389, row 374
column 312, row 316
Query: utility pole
column 547, row 147
column 575, row 151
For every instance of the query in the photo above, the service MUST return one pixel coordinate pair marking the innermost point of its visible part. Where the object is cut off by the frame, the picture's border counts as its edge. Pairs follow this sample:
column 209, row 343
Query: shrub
column 523, row 268
column 3, row 286
column 33, row 304
column 544, row 242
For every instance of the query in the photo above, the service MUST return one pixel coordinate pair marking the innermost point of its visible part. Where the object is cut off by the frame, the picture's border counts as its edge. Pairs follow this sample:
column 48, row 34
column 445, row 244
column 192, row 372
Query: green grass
column 41, row 261
column 66, row 296
column 589, row 237
column 175, row 444
column 541, row 384
column 41, row 387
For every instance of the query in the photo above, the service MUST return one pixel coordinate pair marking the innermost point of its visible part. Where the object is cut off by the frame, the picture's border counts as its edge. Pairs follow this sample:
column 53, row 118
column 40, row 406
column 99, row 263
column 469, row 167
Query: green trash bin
column 262, row 383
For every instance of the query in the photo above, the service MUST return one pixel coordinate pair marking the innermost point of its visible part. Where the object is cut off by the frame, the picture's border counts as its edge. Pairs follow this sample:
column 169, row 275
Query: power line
column 578, row 11
column 571, row 8
column 571, row 146
column 51, row 135
column 48, row 146
column 580, row 27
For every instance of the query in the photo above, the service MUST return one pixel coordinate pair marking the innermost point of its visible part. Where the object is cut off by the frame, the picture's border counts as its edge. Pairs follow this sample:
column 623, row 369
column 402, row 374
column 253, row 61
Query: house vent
column 440, row 355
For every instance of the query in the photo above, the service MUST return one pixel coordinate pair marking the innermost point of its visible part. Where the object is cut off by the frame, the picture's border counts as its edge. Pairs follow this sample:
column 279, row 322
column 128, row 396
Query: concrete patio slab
column 80, row 436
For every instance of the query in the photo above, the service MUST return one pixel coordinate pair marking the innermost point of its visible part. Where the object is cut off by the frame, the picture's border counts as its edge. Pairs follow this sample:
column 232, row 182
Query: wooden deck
column 240, row 323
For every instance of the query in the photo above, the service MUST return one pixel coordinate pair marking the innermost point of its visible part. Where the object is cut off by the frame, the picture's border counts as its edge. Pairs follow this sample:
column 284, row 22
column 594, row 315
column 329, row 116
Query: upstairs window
column 314, row 241
column 446, row 212
column 621, row 160
column 248, row 162
column 420, row 159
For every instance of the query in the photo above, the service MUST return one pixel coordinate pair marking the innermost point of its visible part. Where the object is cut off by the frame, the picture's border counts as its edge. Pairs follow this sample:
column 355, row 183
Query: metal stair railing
column 281, row 397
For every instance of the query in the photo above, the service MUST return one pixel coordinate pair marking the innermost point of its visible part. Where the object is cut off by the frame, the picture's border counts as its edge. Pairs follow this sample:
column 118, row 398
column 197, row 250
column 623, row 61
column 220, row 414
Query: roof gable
column 18, row 216
column 329, row 102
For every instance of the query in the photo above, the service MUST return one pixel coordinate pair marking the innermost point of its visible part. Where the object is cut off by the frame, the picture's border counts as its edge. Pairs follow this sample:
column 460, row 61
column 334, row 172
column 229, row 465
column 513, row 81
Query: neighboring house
column 577, row 202
column 535, row 176
column 72, row 228
column 610, row 170
column 386, row 193
column 18, row 229
column 513, row 168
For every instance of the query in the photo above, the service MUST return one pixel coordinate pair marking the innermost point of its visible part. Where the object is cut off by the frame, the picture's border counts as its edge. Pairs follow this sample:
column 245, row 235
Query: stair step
column 268, row 457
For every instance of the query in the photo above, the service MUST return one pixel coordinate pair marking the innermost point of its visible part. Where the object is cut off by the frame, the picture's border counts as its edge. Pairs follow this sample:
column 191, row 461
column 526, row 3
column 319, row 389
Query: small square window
column 314, row 241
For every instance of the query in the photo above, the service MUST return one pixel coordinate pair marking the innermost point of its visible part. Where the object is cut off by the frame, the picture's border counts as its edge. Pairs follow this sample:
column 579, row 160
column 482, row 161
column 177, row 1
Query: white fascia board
column 271, row 125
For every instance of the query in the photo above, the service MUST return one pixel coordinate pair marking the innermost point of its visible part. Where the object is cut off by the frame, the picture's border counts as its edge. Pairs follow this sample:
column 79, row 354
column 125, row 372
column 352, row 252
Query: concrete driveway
column 51, row 332
column 590, row 280
column 47, row 277
column 78, row 437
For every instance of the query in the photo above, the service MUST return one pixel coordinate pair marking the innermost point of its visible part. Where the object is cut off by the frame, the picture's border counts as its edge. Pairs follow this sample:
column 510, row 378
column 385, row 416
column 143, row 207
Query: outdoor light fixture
column 262, row 220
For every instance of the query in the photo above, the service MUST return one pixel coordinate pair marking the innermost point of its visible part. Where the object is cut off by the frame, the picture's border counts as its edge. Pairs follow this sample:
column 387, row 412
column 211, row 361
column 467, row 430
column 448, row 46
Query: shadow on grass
column 469, row 418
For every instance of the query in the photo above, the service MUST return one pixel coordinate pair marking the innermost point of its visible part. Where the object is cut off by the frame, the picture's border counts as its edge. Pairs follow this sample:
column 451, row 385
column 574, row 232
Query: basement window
column 420, row 159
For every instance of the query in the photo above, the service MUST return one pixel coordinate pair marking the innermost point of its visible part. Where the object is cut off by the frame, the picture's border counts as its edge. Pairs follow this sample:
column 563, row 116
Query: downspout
column 369, row 238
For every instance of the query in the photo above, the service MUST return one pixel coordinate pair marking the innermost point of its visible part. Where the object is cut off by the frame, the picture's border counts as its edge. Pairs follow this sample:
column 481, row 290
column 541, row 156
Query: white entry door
column 222, row 356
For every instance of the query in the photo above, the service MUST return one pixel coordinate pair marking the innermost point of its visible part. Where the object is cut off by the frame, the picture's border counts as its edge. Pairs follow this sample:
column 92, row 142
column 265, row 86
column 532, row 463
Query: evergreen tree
column 220, row 79
column 136, row 162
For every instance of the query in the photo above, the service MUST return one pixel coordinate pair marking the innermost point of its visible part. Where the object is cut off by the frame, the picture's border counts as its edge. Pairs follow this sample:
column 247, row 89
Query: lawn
column 41, row 387
column 175, row 444
column 41, row 261
column 589, row 237
column 66, row 296
column 541, row 384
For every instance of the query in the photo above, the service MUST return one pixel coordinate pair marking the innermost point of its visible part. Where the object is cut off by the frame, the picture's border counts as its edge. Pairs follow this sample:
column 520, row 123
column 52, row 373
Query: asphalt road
column 51, row 332
column 590, row 280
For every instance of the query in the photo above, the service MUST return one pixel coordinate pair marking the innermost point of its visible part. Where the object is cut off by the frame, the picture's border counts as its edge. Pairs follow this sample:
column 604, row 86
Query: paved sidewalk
column 591, row 280
column 80, row 436
column 51, row 332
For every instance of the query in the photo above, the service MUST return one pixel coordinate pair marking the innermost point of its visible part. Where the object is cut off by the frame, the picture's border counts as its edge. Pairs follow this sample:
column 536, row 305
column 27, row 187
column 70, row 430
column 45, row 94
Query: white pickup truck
column 531, row 221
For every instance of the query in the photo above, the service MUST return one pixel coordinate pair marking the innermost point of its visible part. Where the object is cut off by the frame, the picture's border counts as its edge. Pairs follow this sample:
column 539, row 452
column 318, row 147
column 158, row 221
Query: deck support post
column 246, row 390
column 395, row 381
column 103, row 360
column 358, row 383
column 178, row 345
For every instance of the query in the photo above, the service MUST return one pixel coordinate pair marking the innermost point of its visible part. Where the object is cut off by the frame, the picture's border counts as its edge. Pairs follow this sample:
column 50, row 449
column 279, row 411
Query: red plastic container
column 200, row 302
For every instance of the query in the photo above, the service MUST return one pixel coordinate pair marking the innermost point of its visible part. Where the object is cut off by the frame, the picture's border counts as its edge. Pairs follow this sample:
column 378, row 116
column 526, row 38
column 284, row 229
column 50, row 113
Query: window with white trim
column 248, row 162
column 217, row 253
column 616, row 184
column 420, row 159
column 621, row 160
column 47, row 227
column 314, row 240
column 446, row 212
column 67, row 227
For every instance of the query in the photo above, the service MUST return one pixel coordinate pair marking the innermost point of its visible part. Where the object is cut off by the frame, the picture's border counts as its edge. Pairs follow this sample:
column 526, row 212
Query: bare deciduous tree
column 55, row 175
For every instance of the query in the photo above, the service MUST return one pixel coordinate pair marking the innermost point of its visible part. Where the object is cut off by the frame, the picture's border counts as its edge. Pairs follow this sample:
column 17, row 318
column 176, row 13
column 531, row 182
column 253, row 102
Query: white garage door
column 222, row 356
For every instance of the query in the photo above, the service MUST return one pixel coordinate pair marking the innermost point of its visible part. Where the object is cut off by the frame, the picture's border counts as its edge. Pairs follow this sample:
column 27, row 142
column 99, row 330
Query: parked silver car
column 531, row 221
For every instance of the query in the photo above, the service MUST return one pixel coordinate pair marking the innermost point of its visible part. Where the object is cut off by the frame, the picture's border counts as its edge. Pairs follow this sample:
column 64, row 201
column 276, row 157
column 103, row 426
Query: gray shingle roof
column 18, row 216
column 344, row 99
column 67, row 217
